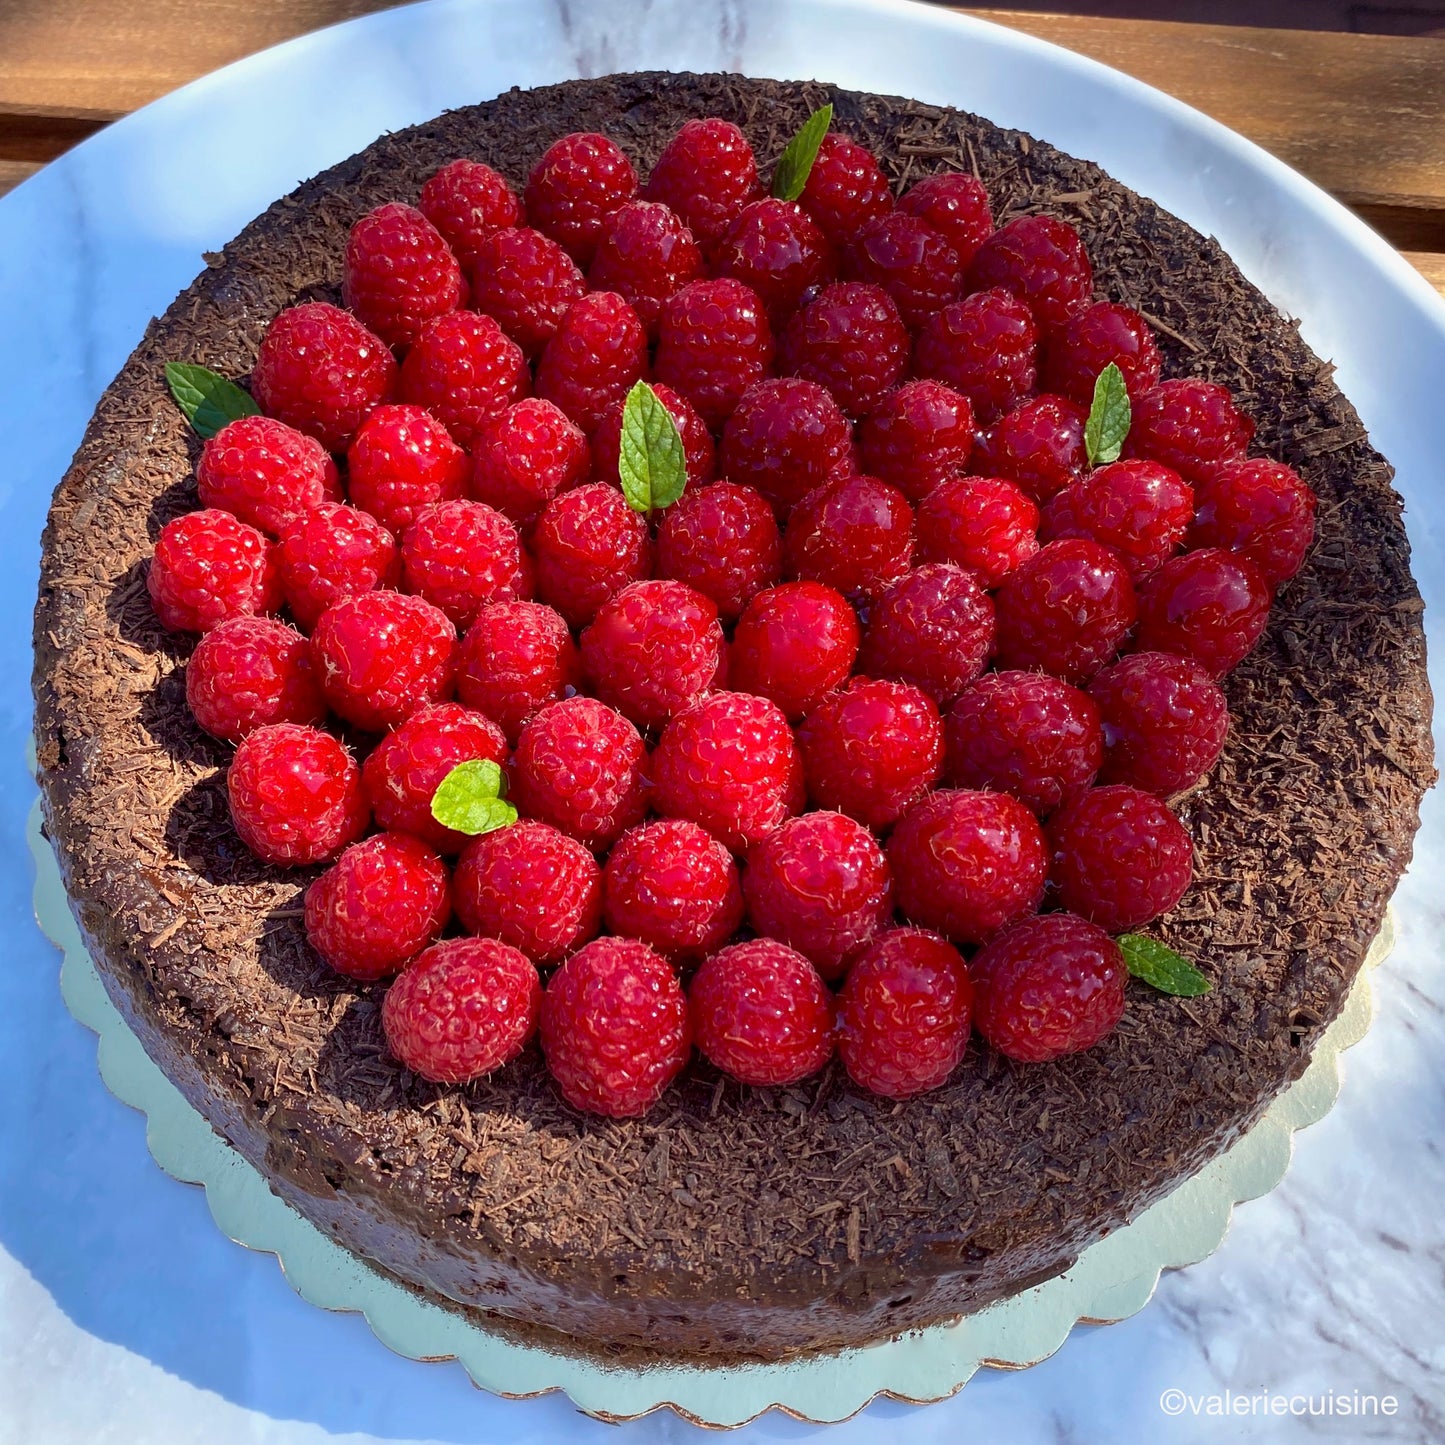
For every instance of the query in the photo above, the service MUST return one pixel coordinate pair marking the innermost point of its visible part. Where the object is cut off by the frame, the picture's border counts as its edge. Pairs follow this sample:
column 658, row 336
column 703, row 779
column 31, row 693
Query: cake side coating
column 732, row 1221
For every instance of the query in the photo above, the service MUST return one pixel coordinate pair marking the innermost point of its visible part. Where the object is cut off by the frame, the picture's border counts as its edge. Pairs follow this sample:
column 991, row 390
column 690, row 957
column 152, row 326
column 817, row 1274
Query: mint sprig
column 795, row 164
column 207, row 398
column 471, row 799
column 1109, row 417
column 1160, row 967
column 652, row 465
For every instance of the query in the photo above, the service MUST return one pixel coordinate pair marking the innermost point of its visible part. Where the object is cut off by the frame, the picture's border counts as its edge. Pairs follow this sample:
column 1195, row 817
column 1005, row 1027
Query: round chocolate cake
column 731, row 1221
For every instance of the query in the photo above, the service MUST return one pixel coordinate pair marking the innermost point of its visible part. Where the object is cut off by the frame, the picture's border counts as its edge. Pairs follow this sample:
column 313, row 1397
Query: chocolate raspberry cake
column 735, row 1121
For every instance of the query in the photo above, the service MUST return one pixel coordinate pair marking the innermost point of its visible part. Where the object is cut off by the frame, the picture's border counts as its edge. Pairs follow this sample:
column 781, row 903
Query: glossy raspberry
column 295, row 795
column 713, row 343
column 820, row 884
column 1210, row 605
column 870, row 749
column 794, row 644
column 675, row 887
column 1189, row 425
column 761, row 1013
column 985, row 524
column 399, row 273
column 462, row 556
column 525, row 456
column 917, row 437
column 1119, row 857
column 1139, row 510
column 579, row 766
column 530, row 886
column 1102, row 334
column 698, row 448
column 466, row 201
column 850, row 339
column 910, row 260
column 580, row 182
column 706, row 174
column 845, row 189
column 526, row 282
column 729, row 763
column 598, row 351
column 1066, row 610
column 774, row 248
column 515, row 659
column 209, row 567
column 646, row 255
column 786, row 437
column 1042, row 261
column 588, row 544
column 1047, row 987
column 956, row 206
column 985, row 346
column 903, row 1014
column 382, row 655
column 331, row 552
column 377, row 907
column 1039, row 446
column 248, row 673
column 1261, row 509
column 615, row 1031
column 1027, row 734
column 403, row 459
column 265, row 472
column 462, row 1010
column 854, row 533
column 722, row 541
column 933, row 628
column 464, row 370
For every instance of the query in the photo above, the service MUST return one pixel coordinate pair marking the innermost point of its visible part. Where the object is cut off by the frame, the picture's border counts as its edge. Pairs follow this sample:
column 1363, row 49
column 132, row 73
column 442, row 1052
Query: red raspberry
column 526, row 282
column 581, row 181
column 845, row 189
column 646, row 255
column 933, row 628
column 588, row 544
column 713, row 343
column 871, row 749
column 1138, row 510
column 910, row 261
column 462, row 556
column 917, row 437
column 1042, row 261
column 531, row 886
column 332, row 552
column 382, row 655
column 403, row 459
column 1190, row 425
column 295, row 795
column 463, row 1009
column 464, row 370
column 761, row 1013
column 821, row 885
column 774, row 248
column 1065, row 611
column 597, row 353
column 723, row 542
column 1039, row 446
column 1210, row 605
column 982, row 523
column 525, row 457
column 786, row 437
column 854, row 534
column 903, row 1014
column 251, row 672
column 265, row 472
column 675, row 887
column 1047, row 987
column 466, row 201
column 1261, row 509
column 580, row 766
column 697, row 443
column 377, row 907
column 207, row 567
column 794, row 644
column 615, row 1031
column 1027, row 734
column 966, row 863
column 850, row 339
column 400, row 273
column 515, row 659
column 1097, row 336
column 729, row 763
column 985, row 346
column 956, row 206
column 706, row 174
column 1119, row 857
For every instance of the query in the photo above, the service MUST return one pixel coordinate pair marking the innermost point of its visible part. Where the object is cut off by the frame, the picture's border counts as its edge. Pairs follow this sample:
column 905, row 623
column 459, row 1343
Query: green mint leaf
column 651, row 465
column 1160, row 967
column 207, row 398
column 1108, row 422
column 790, row 175
column 471, row 799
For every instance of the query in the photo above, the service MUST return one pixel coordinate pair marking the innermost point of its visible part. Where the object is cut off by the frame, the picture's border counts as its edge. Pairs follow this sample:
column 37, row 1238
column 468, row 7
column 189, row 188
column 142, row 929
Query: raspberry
column 646, row 255
column 466, row 201
column 1189, row 425
column 675, row 887
column 588, row 544
column 598, row 351
column 1027, row 734
column 403, row 459
column 248, row 673
column 774, row 248
column 1119, row 857
column 462, row 556
column 526, row 282
column 853, row 533
column 966, row 863
column 400, row 273
column 615, row 1030
column 723, row 542
column 985, row 524
column 933, row 628
column 821, row 885
column 786, row 437
column 697, row 443
column 208, row 567
column 295, row 795
column 956, row 206
column 845, row 189
column 1210, row 605
column 580, row 182
column 580, row 767
column 407, row 767
column 713, row 343
column 1261, row 509
column 706, row 174
column 525, row 456
column 985, row 346
column 463, row 1009
column 761, row 1013
column 530, row 886
column 1065, row 611
column 871, row 749
column 378, row 906
column 1039, row 446
column 464, row 370
column 332, row 552
column 910, row 261
column 903, row 1014
column 729, row 763
column 1138, row 510
column 382, row 655
column 917, row 437
column 1042, row 261
column 265, row 472
column 515, row 659
column 850, row 339
column 1097, row 336
column 794, row 644
column 1047, row 987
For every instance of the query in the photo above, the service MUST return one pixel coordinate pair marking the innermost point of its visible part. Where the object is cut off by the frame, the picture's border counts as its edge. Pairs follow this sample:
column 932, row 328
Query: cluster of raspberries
column 898, row 667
